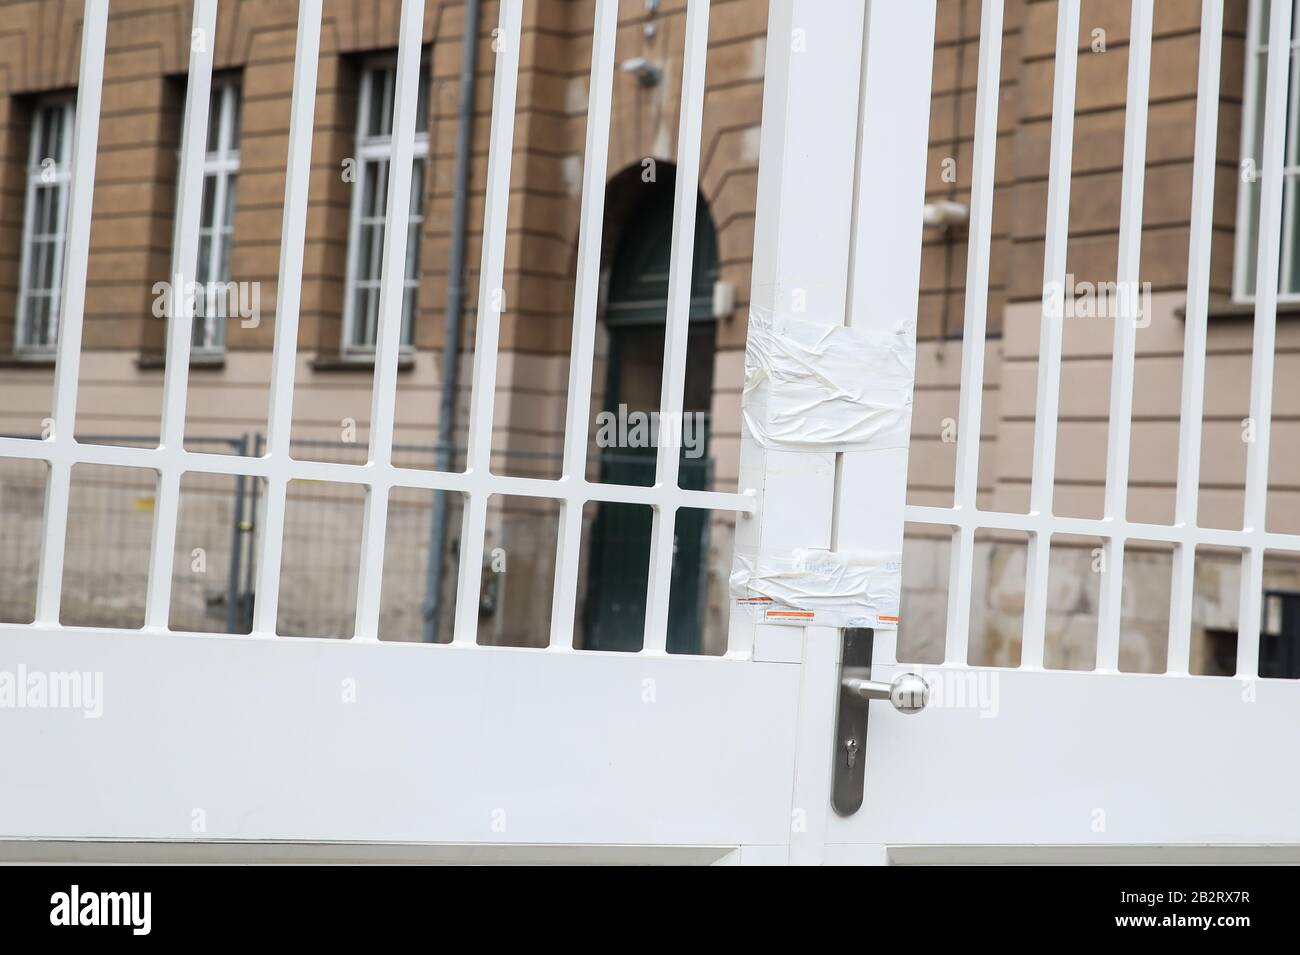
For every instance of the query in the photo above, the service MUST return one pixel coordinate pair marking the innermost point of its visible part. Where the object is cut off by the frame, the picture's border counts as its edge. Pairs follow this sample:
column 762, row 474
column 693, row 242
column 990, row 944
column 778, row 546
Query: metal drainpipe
column 451, row 346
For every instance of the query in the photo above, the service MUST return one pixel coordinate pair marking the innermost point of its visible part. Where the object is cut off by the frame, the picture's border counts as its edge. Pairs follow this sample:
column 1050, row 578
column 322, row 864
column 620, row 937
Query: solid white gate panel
column 1068, row 759
column 230, row 738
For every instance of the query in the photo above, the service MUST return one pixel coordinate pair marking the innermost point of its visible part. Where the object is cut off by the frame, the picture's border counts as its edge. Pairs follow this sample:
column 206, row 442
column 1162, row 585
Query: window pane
column 417, row 187
column 34, row 319
column 228, row 220
column 422, row 103
column 223, row 260
column 367, row 248
column 49, row 146
column 63, row 151
column 203, row 273
column 36, row 265
column 50, row 130
column 413, row 252
column 370, row 267
column 1291, row 205
column 44, row 260
column 1251, row 223
column 209, row 201
column 378, row 123
column 40, row 215
column 409, row 299
column 376, row 195
column 47, row 219
column 54, row 209
column 198, row 336
column 232, row 93
column 364, row 319
column 214, row 121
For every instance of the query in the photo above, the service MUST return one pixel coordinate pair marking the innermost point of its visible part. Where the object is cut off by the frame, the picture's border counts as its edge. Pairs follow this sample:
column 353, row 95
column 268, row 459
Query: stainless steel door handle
column 908, row 692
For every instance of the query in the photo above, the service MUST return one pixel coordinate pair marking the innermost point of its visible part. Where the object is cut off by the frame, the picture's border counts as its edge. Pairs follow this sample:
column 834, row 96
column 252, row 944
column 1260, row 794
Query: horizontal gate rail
column 171, row 460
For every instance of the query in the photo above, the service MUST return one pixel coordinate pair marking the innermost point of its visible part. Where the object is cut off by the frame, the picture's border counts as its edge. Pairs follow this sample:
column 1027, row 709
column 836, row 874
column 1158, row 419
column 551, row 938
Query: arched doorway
column 635, row 316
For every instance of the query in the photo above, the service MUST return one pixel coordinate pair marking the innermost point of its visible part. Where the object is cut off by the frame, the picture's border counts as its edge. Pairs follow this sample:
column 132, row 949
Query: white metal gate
column 467, row 751
column 1094, row 760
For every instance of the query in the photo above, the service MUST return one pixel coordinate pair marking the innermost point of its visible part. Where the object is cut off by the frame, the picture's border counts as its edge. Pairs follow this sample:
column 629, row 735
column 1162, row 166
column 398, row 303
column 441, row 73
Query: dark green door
column 619, row 552
column 620, row 556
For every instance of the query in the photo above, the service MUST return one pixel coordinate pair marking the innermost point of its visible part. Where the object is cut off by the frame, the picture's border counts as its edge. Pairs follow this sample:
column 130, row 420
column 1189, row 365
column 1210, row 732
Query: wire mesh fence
column 217, row 541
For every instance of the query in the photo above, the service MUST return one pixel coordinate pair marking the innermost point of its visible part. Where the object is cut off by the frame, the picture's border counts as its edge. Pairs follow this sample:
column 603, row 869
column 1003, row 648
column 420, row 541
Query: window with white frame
column 374, row 152
column 217, row 219
column 1252, row 146
column 45, row 218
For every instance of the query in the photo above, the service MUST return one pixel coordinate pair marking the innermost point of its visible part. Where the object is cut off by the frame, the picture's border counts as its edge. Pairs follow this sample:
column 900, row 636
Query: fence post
column 802, row 238
column 885, row 267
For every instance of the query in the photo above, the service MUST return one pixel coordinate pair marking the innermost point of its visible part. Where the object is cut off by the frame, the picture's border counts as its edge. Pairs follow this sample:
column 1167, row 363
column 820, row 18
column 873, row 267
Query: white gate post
column 800, row 269
column 885, row 269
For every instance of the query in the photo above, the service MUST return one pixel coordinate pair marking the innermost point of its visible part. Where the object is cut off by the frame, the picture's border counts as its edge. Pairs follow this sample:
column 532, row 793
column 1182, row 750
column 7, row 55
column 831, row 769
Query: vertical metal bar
column 974, row 324
column 491, row 302
column 236, row 544
column 392, row 288
column 677, row 330
column 250, row 564
column 180, row 311
column 1261, row 367
column 94, row 32
column 582, row 353
column 1049, row 343
column 1119, row 435
column 1182, row 586
column 288, row 302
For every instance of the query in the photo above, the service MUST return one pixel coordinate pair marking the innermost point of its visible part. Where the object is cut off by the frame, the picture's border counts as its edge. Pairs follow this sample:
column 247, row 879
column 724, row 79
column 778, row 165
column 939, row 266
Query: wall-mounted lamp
column 724, row 299
column 646, row 73
column 944, row 214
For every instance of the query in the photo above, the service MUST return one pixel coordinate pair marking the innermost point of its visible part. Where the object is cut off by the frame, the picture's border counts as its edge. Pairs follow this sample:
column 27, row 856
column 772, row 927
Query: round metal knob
column 908, row 692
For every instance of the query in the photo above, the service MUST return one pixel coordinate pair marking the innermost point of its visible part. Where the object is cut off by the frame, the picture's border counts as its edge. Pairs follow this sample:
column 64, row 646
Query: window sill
column 151, row 361
column 1225, row 308
column 28, row 360
column 362, row 362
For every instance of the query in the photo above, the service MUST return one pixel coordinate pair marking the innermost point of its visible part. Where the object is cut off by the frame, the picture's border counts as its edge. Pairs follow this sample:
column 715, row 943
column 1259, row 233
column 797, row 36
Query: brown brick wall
column 1024, row 132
